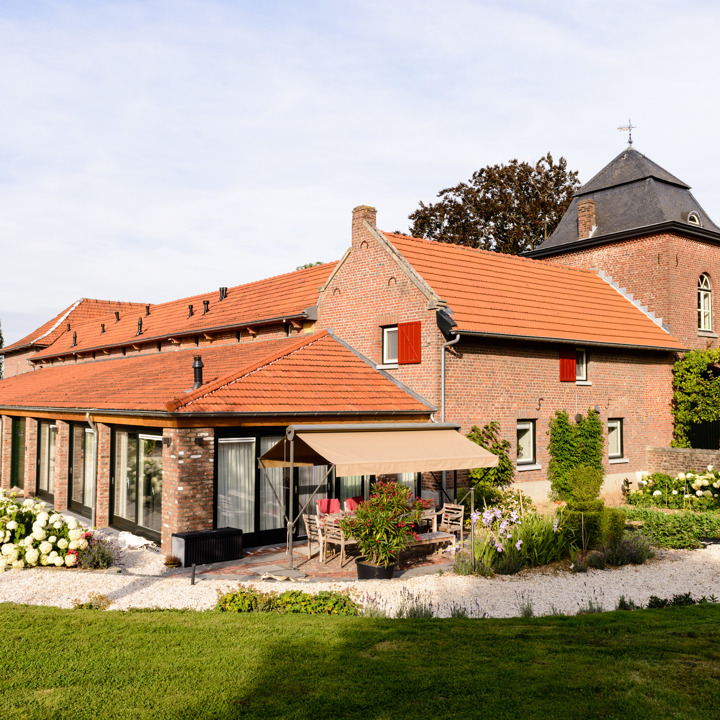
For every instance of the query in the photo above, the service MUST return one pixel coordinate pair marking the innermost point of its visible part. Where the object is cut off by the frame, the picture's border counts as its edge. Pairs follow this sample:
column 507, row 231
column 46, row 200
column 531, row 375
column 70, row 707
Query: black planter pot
column 367, row 571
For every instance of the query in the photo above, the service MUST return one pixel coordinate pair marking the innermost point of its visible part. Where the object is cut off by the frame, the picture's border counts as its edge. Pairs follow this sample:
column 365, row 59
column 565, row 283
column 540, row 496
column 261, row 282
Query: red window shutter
column 567, row 365
column 409, row 343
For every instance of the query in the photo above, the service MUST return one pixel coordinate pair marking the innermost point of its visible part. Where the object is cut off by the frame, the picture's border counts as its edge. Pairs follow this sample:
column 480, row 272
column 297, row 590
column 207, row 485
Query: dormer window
column 401, row 344
column 694, row 219
column 704, row 303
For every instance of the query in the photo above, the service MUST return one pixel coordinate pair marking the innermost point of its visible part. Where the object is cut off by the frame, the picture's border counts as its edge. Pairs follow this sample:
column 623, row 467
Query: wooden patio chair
column 452, row 519
column 313, row 532
column 333, row 535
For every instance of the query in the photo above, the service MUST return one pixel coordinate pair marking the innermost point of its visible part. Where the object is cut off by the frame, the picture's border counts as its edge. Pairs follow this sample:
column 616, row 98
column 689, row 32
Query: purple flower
column 513, row 516
column 474, row 517
column 499, row 547
column 518, row 544
column 503, row 526
column 555, row 525
column 498, row 513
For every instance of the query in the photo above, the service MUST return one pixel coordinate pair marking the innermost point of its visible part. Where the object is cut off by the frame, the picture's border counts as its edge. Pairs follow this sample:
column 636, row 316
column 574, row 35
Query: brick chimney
column 586, row 218
column 359, row 232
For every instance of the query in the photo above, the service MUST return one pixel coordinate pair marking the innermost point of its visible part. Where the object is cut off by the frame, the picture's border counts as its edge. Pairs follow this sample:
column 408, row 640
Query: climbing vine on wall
column 696, row 392
column 572, row 444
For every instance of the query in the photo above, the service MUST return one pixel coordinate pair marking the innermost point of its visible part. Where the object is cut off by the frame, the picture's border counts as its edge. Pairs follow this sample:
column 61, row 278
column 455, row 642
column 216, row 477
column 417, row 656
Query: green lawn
column 103, row 665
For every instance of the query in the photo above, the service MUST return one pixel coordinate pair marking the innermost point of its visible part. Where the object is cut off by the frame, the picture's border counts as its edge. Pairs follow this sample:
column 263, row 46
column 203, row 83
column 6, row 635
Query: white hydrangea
column 75, row 534
column 705, row 483
column 52, row 539
column 58, row 562
column 39, row 534
column 55, row 518
column 7, row 537
column 44, row 560
column 82, row 543
column 699, row 493
column 709, row 468
column 3, row 562
column 57, row 524
column 13, row 556
column 32, row 556
column 11, row 525
column 29, row 503
column 45, row 547
column 657, row 492
column 28, row 541
column 7, row 549
column 74, row 545
column 42, row 519
column 72, row 523
column 70, row 560
column 681, row 476
column 18, row 564
column 52, row 556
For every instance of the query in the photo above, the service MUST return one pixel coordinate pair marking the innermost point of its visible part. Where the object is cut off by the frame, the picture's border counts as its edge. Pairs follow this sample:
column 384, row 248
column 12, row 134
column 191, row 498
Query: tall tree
column 507, row 208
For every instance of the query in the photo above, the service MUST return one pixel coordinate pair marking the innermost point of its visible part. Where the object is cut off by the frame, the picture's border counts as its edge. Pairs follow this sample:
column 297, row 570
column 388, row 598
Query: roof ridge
column 201, row 392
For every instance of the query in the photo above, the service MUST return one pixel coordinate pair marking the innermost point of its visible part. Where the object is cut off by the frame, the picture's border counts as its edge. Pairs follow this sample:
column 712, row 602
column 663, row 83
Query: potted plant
column 384, row 525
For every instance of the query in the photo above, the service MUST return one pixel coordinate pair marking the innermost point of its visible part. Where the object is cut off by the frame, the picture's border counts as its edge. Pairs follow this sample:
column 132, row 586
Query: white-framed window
column 704, row 303
column 390, row 345
column 615, row 438
column 580, row 364
column 526, row 442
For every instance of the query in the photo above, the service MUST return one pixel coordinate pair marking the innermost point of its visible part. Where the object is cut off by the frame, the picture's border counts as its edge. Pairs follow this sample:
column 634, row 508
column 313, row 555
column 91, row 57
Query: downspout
column 448, row 344
column 95, row 468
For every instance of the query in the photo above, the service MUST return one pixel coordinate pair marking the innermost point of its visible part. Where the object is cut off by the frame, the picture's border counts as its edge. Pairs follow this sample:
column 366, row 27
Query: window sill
column 617, row 461
column 388, row 366
column 583, row 382
column 523, row 468
column 707, row 333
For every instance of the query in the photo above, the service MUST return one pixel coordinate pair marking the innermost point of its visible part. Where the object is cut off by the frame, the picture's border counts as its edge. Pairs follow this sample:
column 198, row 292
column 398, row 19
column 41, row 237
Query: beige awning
column 381, row 452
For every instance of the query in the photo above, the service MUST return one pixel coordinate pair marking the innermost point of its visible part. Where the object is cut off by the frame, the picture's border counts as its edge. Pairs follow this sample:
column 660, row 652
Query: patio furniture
column 429, row 516
column 351, row 504
column 333, row 535
column 328, row 506
column 452, row 519
column 313, row 532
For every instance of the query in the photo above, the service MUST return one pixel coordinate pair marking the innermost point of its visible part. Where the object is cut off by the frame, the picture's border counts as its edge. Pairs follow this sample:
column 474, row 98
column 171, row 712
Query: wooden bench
column 432, row 538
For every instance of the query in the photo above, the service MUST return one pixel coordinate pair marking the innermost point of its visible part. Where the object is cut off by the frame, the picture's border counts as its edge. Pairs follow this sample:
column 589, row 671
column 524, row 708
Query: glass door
column 17, row 469
column 82, row 469
column 46, row 460
column 236, row 484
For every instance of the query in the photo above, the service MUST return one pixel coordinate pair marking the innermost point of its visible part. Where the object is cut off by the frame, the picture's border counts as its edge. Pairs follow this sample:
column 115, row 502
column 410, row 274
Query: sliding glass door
column 47, row 434
column 137, row 479
column 82, row 469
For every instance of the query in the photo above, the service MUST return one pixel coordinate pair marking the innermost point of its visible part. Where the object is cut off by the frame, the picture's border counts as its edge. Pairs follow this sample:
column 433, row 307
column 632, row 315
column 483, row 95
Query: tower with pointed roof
column 643, row 230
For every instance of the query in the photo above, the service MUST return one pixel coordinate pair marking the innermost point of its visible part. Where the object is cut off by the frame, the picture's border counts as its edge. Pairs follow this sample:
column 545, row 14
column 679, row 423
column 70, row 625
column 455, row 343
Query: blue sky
column 155, row 149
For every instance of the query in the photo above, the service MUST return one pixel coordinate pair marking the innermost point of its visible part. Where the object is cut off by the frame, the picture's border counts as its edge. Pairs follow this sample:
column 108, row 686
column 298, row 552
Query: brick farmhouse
column 151, row 417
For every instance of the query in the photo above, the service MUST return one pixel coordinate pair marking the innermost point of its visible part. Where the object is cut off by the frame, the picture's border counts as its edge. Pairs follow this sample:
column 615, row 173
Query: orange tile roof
column 282, row 296
column 317, row 374
column 492, row 293
column 79, row 312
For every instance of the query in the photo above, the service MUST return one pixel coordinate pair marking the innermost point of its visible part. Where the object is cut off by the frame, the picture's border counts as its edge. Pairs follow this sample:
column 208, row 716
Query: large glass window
column 704, row 303
column 526, row 442
column 17, row 458
column 138, row 479
column 272, row 498
column 236, row 484
column 46, row 439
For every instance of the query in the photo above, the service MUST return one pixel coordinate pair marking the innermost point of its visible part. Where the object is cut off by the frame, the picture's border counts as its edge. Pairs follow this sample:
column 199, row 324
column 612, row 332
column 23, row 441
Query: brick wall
column 62, row 460
column 672, row 461
column 662, row 271
column 16, row 363
column 370, row 291
column 102, row 487
column 507, row 381
column 188, row 482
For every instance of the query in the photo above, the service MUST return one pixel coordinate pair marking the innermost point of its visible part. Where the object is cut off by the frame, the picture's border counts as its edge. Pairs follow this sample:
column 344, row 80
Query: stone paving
column 270, row 563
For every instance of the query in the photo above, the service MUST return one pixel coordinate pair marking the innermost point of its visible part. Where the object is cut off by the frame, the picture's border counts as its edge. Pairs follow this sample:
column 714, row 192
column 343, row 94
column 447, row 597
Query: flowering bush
column 506, row 541
column 30, row 535
column 386, row 523
column 699, row 491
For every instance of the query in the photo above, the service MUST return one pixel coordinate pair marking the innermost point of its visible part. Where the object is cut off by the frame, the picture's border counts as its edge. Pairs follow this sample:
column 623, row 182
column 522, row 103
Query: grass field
column 166, row 664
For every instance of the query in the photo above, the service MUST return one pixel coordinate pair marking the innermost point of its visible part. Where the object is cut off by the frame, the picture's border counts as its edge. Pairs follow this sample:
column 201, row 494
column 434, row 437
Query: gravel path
column 145, row 582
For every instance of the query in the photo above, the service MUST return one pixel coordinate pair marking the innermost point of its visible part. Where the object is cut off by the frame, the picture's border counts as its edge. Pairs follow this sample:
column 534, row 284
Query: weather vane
column 629, row 128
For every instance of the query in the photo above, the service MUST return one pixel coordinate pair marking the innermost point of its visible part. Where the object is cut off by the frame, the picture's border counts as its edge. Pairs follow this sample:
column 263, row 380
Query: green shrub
column 572, row 445
column 291, row 601
column 487, row 437
column 677, row 530
column 634, row 548
column 592, row 530
column 584, row 484
column 100, row 553
column 597, row 560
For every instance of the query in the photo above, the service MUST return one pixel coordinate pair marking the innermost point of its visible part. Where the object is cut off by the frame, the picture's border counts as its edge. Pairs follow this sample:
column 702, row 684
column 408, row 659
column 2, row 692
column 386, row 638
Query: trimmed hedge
column 596, row 528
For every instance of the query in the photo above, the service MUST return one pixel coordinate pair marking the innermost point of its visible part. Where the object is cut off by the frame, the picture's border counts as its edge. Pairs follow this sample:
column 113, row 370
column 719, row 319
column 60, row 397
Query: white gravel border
column 142, row 581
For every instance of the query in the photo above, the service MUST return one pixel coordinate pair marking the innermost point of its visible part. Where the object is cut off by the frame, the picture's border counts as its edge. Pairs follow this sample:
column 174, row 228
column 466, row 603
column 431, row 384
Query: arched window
column 704, row 303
